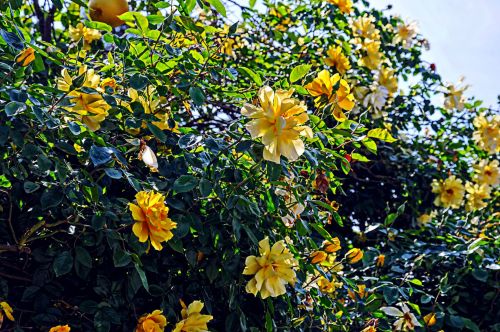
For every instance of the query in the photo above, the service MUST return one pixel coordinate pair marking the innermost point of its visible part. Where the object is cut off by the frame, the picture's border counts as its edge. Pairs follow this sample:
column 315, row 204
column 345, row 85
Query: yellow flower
column 487, row 173
column 388, row 79
column 332, row 246
column 450, row 192
column 425, row 218
column 361, row 292
column 430, row 319
column 370, row 328
column 153, row 322
column 342, row 98
column 327, row 286
column 26, row 57
column 345, row 6
column 151, row 219
column 108, row 82
column 60, row 328
column 91, row 109
column 406, row 33
column 380, row 260
column 406, row 319
column 476, row 194
column 373, row 57
column 88, row 35
column 193, row 320
column 5, row 309
column 487, row 133
column 337, row 59
column 279, row 120
column 148, row 101
column 318, row 257
column 354, row 255
column 272, row 270
column 364, row 27
column 454, row 96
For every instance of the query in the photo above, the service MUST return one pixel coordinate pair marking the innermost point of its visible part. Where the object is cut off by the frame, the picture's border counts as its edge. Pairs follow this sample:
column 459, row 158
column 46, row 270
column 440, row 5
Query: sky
column 465, row 40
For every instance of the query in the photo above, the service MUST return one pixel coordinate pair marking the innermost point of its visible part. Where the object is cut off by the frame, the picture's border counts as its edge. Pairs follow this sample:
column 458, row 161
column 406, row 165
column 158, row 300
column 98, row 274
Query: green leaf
column 83, row 257
column 218, row 6
column 51, row 198
column 138, row 81
column 63, row 263
column 299, row 72
column 250, row 74
column 98, row 25
column 121, row 258
column 205, row 187
column 382, row 134
column 359, row 157
column 159, row 134
column 14, row 108
column 135, row 17
column 142, row 276
column 197, row 95
column 185, row 183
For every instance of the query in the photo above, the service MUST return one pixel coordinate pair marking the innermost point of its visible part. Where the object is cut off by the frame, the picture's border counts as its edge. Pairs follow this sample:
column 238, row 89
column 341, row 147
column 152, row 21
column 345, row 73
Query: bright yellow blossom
column 88, row 35
column 60, row 328
column 153, row 322
column 327, row 286
column 279, row 120
column 332, row 246
column 476, row 194
column 369, row 328
column 364, row 27
column 91, row 109
column 272, row 270
column 450, row 192
column 425, row 218
column 26, row 57
column 345, row 6
column 487, row 133
column 318, row 257
column 487, row 173
column 373, row 57
column 343, row 99
column 354, row 255
column 192, row 319
column 361, row 292
column 430, row 319
column 6, row 309
column 336, row 59
column 380, row 260
column 151, row 219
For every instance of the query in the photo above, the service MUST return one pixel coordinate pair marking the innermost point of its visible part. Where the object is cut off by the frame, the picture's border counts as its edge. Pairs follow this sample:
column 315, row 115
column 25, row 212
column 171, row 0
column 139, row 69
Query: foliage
column 131, row 184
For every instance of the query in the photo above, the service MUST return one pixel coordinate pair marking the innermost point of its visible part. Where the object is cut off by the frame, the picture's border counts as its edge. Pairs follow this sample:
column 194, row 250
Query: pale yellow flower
column 454, row 96
column 376, row 99
column 89, row 35
column 336, row 59
column 332, row 246
column 342, row 99
column 372, row 57
column 487, row 133
column 279, row 121
column 272, row 270
column 364, row 27
column 91, row 109
column 345, row 6
column 487, row 173
column 476, row 194
column 406, row 34
column 153, row 322
column 386, row 77
column 450, row 192
column 192, row 319
column 151, row 219
column 406, row 319
column 425, row 218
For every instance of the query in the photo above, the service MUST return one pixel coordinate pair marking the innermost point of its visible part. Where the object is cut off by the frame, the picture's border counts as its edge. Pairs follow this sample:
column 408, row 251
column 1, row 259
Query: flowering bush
column 283, row 168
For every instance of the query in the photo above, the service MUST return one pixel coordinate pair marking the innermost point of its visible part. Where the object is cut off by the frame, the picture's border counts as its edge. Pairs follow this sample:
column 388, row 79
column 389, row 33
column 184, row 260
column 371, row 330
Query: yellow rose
column 60, row 328
column 193, row 320
column 151, row 219
column 153, row 322
column 354, row 255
